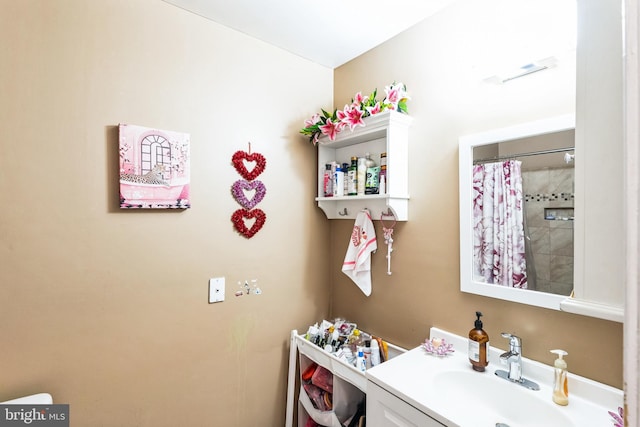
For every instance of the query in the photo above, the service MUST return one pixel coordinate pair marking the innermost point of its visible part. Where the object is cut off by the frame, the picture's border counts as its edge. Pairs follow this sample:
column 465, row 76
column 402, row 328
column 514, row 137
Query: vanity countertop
column 430, row 384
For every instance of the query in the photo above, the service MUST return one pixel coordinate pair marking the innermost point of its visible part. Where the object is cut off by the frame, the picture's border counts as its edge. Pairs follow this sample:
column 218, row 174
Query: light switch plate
column 216, row 289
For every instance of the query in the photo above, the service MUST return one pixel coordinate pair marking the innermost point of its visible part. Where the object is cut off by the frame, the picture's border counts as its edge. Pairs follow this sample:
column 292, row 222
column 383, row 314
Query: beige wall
column 108, row 310
column 440, row 61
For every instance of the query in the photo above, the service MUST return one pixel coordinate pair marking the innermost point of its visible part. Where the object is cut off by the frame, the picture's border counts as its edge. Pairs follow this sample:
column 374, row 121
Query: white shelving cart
column 349, row 384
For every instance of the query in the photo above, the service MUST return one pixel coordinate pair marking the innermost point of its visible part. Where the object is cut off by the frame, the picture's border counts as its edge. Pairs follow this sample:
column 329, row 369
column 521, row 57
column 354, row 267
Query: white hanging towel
column 357, row 262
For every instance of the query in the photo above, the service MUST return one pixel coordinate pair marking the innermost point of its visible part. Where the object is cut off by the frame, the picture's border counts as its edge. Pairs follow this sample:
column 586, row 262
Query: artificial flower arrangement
column 437, row 347
column 352, row 115
column 618, row 419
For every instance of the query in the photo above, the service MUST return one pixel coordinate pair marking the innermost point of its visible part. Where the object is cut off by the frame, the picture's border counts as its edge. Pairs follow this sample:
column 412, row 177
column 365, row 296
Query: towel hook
column 343, row 213
column 389, row 212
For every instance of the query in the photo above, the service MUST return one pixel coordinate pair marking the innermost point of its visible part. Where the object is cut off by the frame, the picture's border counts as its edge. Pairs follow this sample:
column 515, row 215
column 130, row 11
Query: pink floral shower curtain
column 498, row 224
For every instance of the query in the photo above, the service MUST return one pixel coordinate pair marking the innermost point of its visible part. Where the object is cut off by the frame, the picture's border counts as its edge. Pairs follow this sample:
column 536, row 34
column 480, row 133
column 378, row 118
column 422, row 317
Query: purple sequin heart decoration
column 240, row 186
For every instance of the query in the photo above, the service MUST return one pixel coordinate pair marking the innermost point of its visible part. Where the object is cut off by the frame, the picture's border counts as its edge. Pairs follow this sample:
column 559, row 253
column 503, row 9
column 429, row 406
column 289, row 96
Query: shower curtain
column 498, row 224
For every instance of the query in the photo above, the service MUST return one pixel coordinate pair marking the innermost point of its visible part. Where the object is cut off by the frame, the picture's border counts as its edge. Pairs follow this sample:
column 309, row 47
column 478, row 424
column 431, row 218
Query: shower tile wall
column 551, row 240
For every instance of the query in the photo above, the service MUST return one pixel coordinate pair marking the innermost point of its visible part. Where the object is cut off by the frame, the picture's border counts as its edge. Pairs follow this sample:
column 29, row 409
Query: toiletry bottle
column 367, row 353
column 371, row 185
column 383, row 174
column 345, row 172
column 478, row 346
column 338, row 183
column 371, row 177
column 361, row 176
column 375, row 352
column 355, row 341
column 328, row 181
column 352, row 177
column 361, row 364
column 312, row 333
column 560, row 383
column 369, row 162
column 334, row 340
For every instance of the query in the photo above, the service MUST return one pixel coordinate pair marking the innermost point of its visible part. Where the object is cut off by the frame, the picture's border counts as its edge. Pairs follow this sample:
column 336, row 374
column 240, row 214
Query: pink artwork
column 154, row 168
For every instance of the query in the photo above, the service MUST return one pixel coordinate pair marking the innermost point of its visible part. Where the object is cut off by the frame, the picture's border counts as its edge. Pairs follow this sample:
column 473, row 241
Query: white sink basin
column 448, row 390
column 509, row 403
column 34, row 399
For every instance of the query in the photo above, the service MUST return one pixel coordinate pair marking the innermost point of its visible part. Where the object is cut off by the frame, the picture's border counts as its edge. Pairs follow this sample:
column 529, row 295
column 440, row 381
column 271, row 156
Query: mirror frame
column 466, row 146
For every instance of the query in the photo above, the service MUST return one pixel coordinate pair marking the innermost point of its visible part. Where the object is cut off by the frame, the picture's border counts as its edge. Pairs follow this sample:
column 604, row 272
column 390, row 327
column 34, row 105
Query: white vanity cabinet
column 388, row 410
column 418, row 389
column 386, row 132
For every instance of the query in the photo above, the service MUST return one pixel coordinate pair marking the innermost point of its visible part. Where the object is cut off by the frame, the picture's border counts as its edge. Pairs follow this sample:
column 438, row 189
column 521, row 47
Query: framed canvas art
column 154, row 168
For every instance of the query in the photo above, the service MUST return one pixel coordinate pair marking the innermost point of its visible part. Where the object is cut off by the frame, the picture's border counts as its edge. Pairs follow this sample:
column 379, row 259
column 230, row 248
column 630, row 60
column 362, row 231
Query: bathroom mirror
column 517, row 212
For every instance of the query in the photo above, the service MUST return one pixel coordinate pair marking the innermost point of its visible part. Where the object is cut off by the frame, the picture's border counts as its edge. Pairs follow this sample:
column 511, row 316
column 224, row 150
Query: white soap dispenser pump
column 560, row 384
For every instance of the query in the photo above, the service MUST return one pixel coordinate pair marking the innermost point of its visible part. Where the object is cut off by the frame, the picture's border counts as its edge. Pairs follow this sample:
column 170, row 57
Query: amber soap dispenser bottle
column 478, row 345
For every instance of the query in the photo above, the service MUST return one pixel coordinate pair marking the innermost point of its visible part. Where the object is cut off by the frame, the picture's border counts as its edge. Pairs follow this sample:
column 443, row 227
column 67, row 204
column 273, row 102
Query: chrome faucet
column 513, row 358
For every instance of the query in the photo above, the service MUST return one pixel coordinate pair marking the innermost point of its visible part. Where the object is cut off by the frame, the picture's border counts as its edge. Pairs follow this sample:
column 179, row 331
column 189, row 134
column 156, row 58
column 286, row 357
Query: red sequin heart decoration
column 238, row 219
column 239, row 158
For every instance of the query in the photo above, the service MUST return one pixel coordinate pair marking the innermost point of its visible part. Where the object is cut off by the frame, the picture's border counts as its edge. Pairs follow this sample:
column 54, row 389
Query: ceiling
column 328, row 32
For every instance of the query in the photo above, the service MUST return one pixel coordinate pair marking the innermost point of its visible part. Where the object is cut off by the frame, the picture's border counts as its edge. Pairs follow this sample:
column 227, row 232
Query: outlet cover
column 216, row 290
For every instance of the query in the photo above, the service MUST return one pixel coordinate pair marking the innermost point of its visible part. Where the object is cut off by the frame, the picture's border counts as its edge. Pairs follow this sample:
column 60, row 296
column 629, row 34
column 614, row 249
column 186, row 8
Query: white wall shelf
column 384, row 132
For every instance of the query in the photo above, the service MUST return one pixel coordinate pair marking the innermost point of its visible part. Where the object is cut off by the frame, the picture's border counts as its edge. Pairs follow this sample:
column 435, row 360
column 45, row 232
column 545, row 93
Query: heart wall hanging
column 238, row 218
column 239, row 159
column 241, row 187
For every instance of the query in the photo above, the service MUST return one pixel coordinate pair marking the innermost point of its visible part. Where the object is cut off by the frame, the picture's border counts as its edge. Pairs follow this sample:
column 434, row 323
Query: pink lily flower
column 393, row 96
column 359, row 100
column 330, row 129
column 312, row 121
column 375, row 109
column 342, row 114
column 351, row 116
column 395, row 93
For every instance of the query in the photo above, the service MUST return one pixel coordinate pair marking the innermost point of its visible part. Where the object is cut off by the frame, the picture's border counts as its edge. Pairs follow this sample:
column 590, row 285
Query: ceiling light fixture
column 524, row 70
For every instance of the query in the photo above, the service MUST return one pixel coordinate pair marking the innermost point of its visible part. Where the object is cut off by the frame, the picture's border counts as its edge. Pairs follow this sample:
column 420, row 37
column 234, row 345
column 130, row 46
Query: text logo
column 34, row 415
